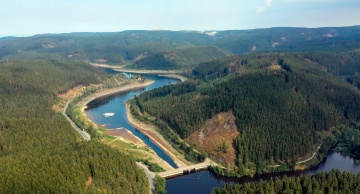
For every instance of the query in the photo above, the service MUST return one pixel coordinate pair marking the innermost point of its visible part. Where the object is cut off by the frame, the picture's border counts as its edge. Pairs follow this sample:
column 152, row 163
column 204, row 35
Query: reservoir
column 200, row 182
column 114, row 106
column 203, row 182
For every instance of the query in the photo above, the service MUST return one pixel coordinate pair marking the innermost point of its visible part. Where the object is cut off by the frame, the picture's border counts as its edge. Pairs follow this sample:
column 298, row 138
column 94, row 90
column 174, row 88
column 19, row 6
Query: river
column 203, row 182
column 200, row 182
column 116, row 104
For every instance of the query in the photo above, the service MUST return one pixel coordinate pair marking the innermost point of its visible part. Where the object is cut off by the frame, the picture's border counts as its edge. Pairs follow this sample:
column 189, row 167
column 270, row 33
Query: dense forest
column 282, row 103
column 39, row 150
column 346, row 140
column 157, row 61
column 175, row 49
column 291, row 91
column 331, row 182
column 343, row 64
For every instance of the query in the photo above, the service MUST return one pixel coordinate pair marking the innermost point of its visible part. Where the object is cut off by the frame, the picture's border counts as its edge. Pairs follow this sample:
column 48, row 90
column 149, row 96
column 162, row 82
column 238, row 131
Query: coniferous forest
column 39, row 150
column 283, row 104
column 332, row 182
column 292, row 92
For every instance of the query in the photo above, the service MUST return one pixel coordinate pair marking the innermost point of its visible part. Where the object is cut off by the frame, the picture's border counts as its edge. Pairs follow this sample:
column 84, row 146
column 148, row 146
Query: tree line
column 39, row 150
column 282, row 104
column 331, row 182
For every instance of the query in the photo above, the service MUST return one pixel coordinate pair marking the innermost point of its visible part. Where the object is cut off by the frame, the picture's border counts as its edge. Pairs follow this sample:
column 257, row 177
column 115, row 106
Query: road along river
column 116, row 104
column 200, row 182
column 203, row 182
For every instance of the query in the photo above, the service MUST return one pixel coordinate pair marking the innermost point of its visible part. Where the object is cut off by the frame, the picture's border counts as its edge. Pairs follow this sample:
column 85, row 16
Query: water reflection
column 203, row 182
column 115, row 103
column 108, row 99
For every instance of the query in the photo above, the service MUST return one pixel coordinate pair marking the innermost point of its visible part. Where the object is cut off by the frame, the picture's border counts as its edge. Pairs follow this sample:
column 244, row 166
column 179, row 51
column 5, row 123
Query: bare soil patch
column 72, row 92
column 274, row 67
column 58, row 107
column 179, row 77
column 142, row 55
column 215, row 134
column 126, row 135
column 88, row 182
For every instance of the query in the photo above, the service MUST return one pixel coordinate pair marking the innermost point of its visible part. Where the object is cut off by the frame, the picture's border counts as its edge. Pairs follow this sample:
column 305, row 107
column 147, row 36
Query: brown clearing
column 88, row 182
column 310, row 61
column 207, row 139
column 142, row 55
column 58, row 107
column 72, row 92
column 301, row 167
column 125, row 134
column 274, row 67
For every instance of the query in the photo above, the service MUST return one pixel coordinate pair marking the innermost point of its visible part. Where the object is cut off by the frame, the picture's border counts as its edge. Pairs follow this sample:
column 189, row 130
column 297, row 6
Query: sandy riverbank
column 122, row 69
column 125, row 135
column 155, row 137
column 131, row 86
column 107, row 92
column 147, row 71
column 175, row 76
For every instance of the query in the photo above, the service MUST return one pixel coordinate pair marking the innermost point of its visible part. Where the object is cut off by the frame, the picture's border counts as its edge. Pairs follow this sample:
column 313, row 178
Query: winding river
column 203, row 182
column 116, row 104
column 200, row 182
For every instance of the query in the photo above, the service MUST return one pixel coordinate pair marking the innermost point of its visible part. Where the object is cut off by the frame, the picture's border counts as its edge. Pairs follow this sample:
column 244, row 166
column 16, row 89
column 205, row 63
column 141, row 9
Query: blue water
column 116, row 104
column 203, row 182
column 200, row 182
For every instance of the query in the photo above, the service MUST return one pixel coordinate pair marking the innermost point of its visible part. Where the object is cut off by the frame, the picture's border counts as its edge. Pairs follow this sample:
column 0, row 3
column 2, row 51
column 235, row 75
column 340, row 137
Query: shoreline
column 174, row 76
column 156, row 72
column 156, row 138
column 129, row 87
column 106, row 92
column 139, row 71
column 125, row 88
column 125, row 135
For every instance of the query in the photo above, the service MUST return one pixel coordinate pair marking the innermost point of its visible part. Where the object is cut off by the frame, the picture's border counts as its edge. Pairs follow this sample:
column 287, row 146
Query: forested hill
column 175, row 49
column 332, row 182
column 282, row 103
column 39, row 150
column 6, row 38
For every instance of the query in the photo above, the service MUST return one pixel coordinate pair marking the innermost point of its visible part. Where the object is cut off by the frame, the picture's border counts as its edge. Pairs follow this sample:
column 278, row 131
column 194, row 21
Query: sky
column 30, row 17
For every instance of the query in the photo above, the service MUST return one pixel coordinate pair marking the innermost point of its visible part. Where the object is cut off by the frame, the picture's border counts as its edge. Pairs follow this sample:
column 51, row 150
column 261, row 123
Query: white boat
column 109, row 114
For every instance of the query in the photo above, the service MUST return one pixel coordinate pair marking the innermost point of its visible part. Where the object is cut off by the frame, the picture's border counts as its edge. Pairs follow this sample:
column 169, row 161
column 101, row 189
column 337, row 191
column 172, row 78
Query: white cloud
column 263, row 8
column 260, row 9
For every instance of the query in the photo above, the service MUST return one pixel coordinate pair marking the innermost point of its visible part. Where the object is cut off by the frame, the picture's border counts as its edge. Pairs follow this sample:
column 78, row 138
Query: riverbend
column 116, row 104
column 203, row 182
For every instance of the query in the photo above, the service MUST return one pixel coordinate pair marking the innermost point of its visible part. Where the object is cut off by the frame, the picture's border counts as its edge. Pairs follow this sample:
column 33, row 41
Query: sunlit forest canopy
column 39, row 150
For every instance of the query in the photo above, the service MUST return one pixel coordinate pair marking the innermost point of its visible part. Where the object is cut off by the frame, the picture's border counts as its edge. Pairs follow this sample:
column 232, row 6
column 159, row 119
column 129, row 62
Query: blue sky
column 29, row 17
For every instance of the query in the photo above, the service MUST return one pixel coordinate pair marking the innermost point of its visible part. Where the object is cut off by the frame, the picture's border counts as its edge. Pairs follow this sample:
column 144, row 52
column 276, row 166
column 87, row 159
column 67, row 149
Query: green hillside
column 175, row 49
column 6, row 38
column 288, row 39
column 332, row 182
column 39, row 150
column 124, row 48
column 283, row 104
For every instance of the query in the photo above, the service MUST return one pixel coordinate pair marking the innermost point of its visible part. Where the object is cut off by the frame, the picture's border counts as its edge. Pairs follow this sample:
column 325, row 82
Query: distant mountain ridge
column 6, row 38
column 141, row 49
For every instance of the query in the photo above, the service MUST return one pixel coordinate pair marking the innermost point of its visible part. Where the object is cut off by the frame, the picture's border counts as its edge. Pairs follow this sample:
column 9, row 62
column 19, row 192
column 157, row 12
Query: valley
column 172, row 101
